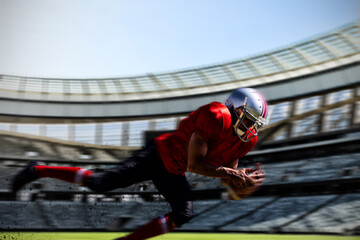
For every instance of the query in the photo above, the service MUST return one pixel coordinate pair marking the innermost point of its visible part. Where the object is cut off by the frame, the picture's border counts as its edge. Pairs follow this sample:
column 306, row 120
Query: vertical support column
column 353, row 108
column 85, row 90
column 229, row 72
column 13, row 127
column 98, row 133
column 152, row 125
column 71, row 132
column 156, row 81
column 321, row 122
column 125, row 134
column 290, row 128
column 44, row 89
column 178, row 120
column 205, row 78
column 103, row 90
column 42, row 130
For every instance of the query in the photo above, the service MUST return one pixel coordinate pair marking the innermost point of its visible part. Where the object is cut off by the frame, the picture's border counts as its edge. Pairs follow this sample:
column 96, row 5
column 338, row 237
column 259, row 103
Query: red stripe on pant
column 69, row 174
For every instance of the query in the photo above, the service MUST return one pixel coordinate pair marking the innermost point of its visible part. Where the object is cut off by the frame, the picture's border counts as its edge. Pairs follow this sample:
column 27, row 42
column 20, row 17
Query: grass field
column 170, row 236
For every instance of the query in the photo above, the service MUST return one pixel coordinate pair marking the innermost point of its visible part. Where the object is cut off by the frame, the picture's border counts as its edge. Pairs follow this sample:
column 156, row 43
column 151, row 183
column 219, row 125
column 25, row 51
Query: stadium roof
column 339, row 47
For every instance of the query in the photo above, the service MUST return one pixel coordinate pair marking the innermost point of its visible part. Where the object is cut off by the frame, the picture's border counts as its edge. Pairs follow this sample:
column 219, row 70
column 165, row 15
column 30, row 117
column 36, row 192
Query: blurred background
column 86, row 83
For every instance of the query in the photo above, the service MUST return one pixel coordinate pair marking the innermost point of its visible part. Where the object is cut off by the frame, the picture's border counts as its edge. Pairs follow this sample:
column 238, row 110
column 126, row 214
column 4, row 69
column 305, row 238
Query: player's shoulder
column 218, row 112
column 217, row 107
column 220, row 109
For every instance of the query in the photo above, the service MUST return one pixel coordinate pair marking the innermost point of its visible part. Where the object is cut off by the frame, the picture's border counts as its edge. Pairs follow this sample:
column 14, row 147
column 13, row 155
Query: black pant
column 145, row 164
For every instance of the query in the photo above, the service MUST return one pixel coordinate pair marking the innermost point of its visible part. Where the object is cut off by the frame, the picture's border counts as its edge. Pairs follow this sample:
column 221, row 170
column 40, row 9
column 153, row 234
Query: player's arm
column 197, row 150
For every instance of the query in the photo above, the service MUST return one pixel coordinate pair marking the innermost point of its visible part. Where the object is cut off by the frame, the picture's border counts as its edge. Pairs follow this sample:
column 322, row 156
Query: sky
column 108, row 38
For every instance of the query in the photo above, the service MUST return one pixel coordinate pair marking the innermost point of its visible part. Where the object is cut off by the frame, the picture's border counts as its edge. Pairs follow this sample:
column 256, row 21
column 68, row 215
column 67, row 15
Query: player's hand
column 247, row 180
column 257, row 174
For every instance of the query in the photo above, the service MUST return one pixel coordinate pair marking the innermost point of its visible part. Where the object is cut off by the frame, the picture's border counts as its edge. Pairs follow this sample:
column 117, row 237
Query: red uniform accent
column 213, row 123
column 63, row 173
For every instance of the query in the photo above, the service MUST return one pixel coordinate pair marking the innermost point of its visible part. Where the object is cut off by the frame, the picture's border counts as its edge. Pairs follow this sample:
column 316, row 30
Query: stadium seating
column 317, row 214
column 222, row 212
column 21, row 215
column 75, row 208
column 339, row 216
column 278, row 213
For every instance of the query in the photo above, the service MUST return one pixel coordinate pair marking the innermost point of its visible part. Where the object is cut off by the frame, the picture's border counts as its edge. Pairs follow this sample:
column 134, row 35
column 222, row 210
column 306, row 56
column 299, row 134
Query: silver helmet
column 250, row 108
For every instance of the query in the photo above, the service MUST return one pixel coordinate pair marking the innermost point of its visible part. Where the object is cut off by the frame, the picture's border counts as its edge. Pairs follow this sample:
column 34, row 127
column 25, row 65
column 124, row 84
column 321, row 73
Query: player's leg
column 33, row 171
column 126, row 173
column 160, row 225
column 177, row 192
column 135, row 169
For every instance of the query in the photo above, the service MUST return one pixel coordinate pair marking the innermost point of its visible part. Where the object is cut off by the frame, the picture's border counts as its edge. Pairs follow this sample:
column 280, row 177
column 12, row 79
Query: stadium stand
column 310, row 150
column 278, row 213
column 225, row 212
column 339, row 216
column 307, row 214
column 20, row 215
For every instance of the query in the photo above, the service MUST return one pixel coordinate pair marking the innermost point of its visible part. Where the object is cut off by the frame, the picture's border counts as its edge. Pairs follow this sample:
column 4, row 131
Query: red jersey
column 213, row 123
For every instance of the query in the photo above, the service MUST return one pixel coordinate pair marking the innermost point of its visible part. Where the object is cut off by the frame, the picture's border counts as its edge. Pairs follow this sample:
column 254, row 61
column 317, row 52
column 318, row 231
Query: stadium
column 309, row 151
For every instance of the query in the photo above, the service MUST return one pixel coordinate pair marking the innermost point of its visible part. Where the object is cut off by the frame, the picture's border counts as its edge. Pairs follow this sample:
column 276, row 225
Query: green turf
column 169, row 236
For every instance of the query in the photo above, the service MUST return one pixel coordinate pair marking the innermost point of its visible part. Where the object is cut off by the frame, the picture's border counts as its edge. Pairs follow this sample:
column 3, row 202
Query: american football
column 237, row 192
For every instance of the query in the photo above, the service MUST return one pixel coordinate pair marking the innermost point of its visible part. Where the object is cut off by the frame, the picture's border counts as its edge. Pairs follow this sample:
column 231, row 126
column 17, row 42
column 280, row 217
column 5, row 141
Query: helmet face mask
column 250, row 108
column 244, row 127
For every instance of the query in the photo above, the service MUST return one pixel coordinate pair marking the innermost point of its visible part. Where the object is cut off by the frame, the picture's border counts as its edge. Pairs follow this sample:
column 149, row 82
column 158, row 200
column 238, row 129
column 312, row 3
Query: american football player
column 208, row 142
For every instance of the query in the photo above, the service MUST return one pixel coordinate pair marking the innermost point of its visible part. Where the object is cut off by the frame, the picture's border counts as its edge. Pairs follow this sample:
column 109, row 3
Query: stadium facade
column 308, row 68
